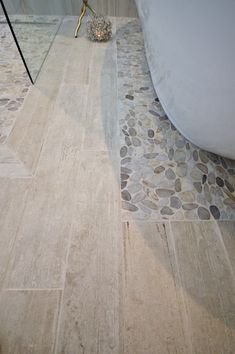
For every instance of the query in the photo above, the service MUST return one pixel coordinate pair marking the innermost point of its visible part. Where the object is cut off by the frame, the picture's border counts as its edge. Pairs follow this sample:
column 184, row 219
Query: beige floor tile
column 12, row 202
column 97, row 177
column 29, row 132
column 91, row 306
column 102, row 130
column 227, row 229
column 208, row 293
column 152, row 316
column 28, row 321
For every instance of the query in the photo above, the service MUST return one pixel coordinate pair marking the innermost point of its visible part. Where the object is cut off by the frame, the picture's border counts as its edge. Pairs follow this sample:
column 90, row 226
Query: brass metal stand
column 84, row 8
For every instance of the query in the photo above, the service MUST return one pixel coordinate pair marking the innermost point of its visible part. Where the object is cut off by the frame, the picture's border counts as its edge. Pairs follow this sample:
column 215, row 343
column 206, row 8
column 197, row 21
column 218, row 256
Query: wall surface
column 124, row 8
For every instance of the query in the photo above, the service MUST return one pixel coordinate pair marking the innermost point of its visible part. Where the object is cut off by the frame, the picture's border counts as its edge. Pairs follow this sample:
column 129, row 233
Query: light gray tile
column 28, row 321
column 207, row 286
column 12, row 202
column 90, row 320
column 227, row 229
column 152, row 314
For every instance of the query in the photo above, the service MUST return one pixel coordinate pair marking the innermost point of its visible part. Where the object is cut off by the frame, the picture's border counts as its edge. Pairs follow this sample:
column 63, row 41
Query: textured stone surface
column 171, row 178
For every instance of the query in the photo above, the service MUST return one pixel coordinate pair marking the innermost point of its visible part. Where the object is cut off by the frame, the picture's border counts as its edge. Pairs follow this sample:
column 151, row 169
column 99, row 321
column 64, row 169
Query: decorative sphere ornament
column 99, row 28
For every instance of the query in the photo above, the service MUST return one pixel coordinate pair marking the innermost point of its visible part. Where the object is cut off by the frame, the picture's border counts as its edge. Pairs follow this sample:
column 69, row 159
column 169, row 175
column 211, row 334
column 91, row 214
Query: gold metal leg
column 85, row 5
column 82, row 14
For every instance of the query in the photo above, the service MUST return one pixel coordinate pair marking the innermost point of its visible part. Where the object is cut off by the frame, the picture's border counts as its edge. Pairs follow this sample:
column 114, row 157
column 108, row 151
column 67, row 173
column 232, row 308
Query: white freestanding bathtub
column 190, row 47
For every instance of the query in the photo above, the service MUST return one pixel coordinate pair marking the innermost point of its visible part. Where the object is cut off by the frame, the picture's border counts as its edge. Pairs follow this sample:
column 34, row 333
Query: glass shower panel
column 34, row 32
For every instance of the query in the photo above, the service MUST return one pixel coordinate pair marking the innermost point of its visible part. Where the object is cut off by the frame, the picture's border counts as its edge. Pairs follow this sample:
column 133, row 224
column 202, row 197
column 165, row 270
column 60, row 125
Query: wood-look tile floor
column 74, row 278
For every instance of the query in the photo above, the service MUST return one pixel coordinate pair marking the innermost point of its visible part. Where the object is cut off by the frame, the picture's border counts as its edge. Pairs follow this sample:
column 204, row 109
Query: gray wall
column 125, row 8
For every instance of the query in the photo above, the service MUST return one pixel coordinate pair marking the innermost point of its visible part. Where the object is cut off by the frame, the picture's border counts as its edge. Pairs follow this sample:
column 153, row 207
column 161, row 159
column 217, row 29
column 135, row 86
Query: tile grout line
column 31, row 289
column 120, row 252
column 171, row 220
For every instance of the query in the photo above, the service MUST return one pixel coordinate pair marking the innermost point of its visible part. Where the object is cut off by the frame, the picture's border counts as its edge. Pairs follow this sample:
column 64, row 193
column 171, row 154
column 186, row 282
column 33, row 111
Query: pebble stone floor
column 14, row 81
column 163, row 175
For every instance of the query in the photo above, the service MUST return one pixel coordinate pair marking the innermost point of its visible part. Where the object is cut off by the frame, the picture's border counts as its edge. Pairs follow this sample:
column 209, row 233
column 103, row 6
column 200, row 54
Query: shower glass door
column 33, row 30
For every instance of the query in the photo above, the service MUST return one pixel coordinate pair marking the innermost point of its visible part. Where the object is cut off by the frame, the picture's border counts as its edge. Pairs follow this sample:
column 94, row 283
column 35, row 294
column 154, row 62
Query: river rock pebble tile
column 168, row 176
column 14, row 82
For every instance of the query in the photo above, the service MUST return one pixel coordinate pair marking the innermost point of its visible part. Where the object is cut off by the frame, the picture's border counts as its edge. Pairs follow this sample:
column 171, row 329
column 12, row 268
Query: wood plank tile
column 102, row 131
column 38, row 257
column 227, row 229
column 29, row 132
column 207, row 285
column 126, row 8
column 97, row 177
column 12, row 201
column 106, row 7
column 152, row 316
column 28, row 321
column 91, row 304
column 10, row 165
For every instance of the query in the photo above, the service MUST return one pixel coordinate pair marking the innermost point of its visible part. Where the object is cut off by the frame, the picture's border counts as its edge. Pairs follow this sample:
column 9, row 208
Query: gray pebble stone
column 178, row 185
column 123, row 151
column 215, row 212
column 220, row 172
column 130, row 97
column 150, row 155
column 127, row 140
column 131, row 122
column 203, row 156
column 171, row 153
column 211, row 178
column 159, row 169
column 167, row 211
column 123, row 184
column 180, row 144
column 164, row 125
column 180, row 155
column 230, row 202
column 219, row 182
column 150, row 204
column 126, row 170
column 203, row 213
column 229, row 186
column 181, row 169
column 164, row 193
column 125, row 160
column 132, row 131
column 129, row 206
column 189, row 206
column 138, row 197
column 126, row 195
column 175, row 202
column 150, row 133
column 154, row 113
column 170, row 174
column 196, row 174
column 198, row 186
column 136, row 141
column 204, row 179
column 202, row 167
column 187, row 196
column 195, row 155
column 124, row 176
